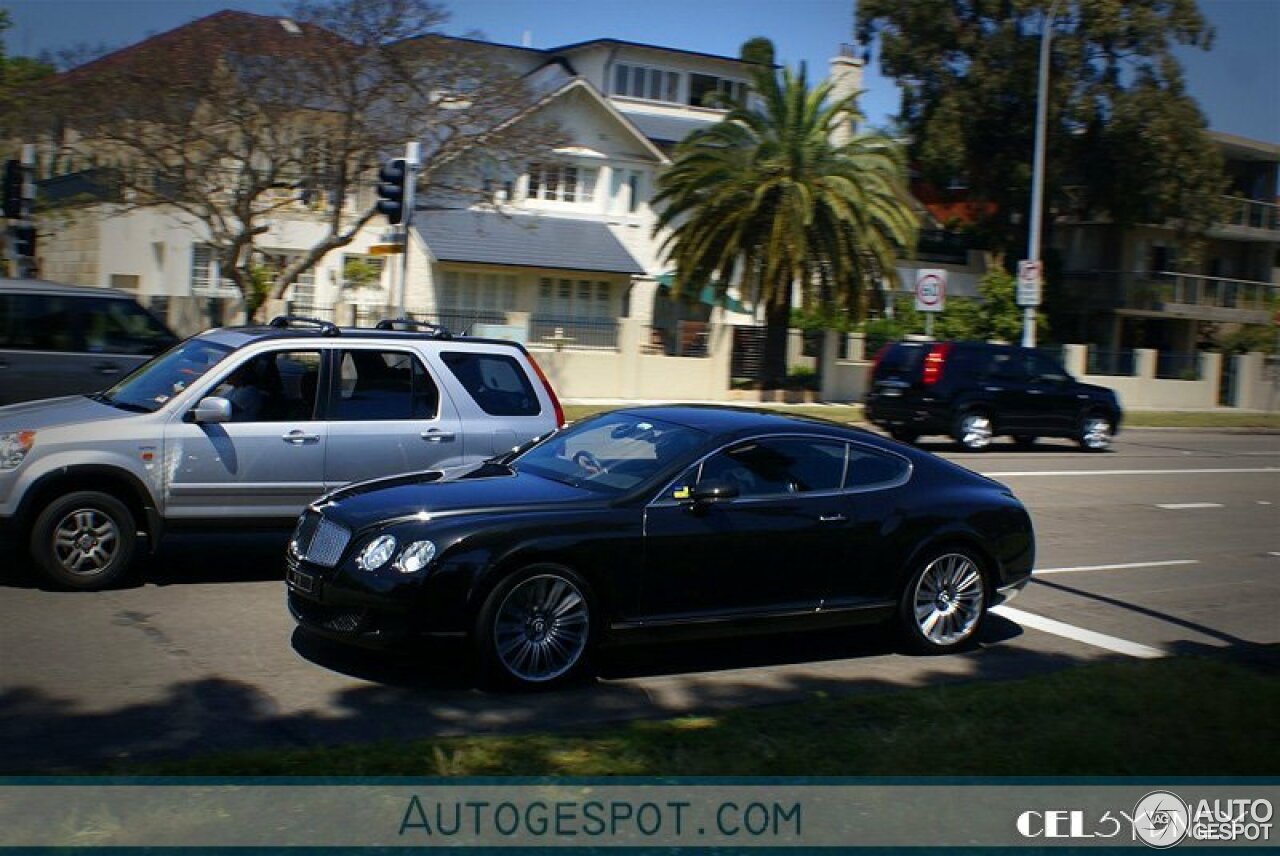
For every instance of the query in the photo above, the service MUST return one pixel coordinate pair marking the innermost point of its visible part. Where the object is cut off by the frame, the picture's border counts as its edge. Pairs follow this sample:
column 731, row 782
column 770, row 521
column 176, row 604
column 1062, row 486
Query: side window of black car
column 1006, row 367
column 1044, row 369
column 122, row 327
column 868, row 469
column 35, row 322
column 778, row 466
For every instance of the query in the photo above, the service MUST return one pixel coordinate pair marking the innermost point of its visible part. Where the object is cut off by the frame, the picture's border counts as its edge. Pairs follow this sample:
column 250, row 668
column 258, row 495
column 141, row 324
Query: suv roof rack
column 284, row 322
column 435, row 331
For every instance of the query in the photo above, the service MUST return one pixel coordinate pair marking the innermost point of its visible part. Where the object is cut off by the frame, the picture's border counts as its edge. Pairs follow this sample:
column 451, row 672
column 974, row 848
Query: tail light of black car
column 934, row 362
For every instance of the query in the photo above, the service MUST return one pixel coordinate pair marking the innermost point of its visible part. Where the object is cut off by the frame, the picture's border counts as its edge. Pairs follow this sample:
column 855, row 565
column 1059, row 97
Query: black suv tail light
column 934, row 362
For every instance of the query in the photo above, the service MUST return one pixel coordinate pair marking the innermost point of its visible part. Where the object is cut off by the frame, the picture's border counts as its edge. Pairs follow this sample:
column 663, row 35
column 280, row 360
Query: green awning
column 707, row 294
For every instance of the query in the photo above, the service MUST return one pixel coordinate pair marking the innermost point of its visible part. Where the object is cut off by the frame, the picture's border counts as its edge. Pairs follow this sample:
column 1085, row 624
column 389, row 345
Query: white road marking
column 1126, row 566
column 1079, row 634
column 1184, row 506
column 1214, row 470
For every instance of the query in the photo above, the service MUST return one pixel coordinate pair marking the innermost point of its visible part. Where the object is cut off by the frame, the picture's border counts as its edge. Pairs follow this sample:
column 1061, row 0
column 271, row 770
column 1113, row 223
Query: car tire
column 902, row 435
column 1095, row 433
column 84, row 540
column 945, row 602
column 974, row 430
column 536, row 629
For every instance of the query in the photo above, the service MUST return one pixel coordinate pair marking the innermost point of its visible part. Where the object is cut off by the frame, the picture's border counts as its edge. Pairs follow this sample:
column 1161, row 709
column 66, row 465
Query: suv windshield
column 151, row 386
column 611, row 453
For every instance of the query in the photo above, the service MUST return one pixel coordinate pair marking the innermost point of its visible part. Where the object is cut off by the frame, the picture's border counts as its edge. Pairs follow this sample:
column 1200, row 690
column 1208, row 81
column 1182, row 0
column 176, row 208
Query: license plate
column 299, row 580
column 891, row 392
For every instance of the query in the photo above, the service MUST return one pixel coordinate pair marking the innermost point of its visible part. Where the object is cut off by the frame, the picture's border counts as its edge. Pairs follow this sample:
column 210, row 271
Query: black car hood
column 434, row 494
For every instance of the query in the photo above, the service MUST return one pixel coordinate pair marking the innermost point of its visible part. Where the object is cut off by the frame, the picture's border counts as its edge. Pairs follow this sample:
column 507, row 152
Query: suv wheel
column 1095, row 433
column 84, row 540
column 903, row 435
column 974, row 431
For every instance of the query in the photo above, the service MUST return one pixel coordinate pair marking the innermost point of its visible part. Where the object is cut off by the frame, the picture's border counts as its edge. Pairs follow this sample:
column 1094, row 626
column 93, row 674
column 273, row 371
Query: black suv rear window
column 496, row 382
column 900, row 359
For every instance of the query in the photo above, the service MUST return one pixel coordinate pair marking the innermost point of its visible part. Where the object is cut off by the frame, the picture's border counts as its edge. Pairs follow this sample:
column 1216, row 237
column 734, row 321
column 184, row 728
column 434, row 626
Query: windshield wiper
column 128, row 406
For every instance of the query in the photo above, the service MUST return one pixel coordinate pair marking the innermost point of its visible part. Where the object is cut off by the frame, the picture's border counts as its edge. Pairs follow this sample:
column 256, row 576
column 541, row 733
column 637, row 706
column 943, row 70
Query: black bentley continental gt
column 661, row 520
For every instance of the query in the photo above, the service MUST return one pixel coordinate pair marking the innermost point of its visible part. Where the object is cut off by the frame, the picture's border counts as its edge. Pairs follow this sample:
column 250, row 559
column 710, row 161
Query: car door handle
column 436, row 436
column 832, row 518
column 107, row 369
column 300, row 438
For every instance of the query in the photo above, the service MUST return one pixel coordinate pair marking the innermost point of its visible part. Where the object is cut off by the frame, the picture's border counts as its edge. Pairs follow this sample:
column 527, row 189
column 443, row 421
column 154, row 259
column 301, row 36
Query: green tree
column 16, row 73
column 1124, row 138
column 758, row 49
column 768, row 198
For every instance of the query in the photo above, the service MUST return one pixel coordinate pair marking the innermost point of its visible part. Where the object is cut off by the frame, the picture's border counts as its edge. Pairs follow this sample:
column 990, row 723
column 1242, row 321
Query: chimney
column 846, row 79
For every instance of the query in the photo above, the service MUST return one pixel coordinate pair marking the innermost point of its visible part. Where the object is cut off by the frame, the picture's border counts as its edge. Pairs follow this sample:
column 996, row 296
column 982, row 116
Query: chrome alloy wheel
column 541, row 629
column 86, row 541
column 975, row 431
column 1095, row 433
column 949, row 600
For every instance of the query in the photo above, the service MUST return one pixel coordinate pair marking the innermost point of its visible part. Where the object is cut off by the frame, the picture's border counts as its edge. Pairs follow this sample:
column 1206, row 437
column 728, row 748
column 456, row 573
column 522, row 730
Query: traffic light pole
column 412, row 162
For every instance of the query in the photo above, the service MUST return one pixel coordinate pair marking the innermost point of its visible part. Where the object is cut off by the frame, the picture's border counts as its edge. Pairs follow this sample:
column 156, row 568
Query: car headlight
column 14, row 446
column 416, row 557
column 376, row 553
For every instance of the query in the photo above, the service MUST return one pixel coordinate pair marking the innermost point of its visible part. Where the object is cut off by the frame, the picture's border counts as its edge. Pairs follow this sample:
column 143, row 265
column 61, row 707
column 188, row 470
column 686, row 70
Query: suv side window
column 122, row 327
column 496, row 382
column 35, row 322
column 1041, row 367
column 1006, row 366
column 275, row 387
column 384, row 385
column 779, row 466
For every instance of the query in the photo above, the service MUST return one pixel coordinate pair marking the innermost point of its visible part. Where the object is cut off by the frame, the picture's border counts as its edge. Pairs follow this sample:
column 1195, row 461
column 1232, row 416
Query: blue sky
column 1237, row 84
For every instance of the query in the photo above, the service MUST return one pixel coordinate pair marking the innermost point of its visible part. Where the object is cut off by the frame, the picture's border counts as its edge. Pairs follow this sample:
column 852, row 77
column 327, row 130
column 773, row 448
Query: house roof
column 518, row 240
column 666, row 129
column 190, row 52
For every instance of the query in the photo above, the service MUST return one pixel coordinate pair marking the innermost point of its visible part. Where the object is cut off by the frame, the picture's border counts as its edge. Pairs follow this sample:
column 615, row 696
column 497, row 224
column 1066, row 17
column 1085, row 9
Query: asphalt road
column 1169, row 543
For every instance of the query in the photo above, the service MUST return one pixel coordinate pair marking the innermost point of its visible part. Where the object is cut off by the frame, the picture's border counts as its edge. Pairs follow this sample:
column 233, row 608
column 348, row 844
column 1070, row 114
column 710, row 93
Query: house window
column 651, row 84
column 362, row 277
column 702, row 85
column 555, row 182
column 303, row 289
column 633, row 191
column 579, row 299
column 491, row 294
column 206, row 276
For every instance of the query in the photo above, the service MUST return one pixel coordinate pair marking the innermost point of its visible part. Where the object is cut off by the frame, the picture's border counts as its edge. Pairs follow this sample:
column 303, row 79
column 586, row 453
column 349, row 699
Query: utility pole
column 412, row 163
column 1037, row 169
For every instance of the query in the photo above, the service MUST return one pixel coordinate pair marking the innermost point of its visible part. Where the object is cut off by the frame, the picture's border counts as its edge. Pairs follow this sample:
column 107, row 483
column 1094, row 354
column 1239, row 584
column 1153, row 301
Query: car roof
column 237, row 337
column 722, row 419
column 59, row 289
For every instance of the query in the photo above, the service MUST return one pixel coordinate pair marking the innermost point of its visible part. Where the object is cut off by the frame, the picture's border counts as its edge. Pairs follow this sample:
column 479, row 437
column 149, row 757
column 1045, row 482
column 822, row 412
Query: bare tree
column 237, row 120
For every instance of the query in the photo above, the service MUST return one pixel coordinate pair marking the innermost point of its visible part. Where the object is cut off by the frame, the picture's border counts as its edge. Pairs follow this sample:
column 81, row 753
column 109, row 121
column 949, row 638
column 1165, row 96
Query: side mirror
column 707, row 493
column 211, row 411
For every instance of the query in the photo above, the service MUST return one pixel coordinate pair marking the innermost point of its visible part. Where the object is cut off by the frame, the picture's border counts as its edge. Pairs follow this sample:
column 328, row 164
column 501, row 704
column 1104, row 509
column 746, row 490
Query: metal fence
column 1114, row 363
column 573, row 333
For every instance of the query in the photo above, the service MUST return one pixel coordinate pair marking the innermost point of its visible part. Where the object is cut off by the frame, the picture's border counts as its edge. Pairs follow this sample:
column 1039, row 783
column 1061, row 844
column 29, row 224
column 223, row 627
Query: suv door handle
column 299, row 438
column 434, row 436
column 832, row 518
column 107, row 368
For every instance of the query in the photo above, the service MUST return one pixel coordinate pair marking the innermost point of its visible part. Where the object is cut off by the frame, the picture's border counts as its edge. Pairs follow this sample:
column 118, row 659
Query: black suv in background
column 974, row 391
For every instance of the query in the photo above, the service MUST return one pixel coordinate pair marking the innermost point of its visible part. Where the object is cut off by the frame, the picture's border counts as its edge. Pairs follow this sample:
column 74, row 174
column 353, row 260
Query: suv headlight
column 376, row 553
column 14, row 446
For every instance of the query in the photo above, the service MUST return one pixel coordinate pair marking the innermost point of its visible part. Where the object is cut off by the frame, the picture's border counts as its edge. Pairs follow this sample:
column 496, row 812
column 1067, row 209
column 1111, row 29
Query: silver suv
column 247, row 425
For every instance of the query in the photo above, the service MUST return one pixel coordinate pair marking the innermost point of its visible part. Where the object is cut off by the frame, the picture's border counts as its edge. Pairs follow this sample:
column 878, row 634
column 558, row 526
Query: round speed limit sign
column 931, row 290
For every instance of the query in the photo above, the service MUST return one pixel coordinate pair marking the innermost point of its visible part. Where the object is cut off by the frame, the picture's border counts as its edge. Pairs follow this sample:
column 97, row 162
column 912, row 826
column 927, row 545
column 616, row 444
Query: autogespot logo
column 1161, row 819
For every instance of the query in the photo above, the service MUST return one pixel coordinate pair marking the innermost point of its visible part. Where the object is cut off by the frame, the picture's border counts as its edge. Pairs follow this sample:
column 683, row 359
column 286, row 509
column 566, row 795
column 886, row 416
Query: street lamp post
column 1037, row 168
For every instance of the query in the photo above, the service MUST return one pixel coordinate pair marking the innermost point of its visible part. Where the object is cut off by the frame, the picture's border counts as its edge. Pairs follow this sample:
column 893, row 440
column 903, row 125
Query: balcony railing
column 1177, row 294
column 1252, row 214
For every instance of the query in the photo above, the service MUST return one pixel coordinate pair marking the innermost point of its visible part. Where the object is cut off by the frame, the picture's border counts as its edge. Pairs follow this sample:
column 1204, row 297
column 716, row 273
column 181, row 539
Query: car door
column 1005, row 385
column 1053, row 395
column 263, row 464
column 764, row 551
column 387, row 415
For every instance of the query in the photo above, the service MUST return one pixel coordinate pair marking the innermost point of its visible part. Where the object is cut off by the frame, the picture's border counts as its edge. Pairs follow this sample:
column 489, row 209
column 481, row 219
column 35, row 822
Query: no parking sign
column 931, row 290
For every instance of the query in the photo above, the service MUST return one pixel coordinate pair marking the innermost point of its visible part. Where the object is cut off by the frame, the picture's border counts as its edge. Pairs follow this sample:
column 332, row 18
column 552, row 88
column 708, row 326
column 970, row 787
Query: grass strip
column 1185, row 716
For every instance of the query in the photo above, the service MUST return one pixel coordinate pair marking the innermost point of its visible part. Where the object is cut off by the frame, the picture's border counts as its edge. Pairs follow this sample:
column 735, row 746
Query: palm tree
column 770, row 198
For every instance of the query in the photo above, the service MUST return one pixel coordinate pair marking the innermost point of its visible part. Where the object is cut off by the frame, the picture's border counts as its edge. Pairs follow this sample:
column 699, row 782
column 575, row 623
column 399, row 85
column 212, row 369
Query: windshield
column 611, row 453
column 151, row 386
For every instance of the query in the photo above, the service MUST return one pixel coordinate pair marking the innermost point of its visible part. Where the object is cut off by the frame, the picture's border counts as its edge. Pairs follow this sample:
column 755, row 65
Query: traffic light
column 24, row 241
column 13, row 181
column 395, row 193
